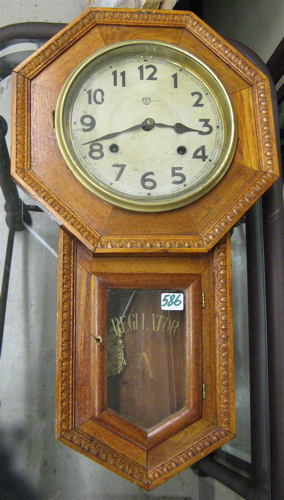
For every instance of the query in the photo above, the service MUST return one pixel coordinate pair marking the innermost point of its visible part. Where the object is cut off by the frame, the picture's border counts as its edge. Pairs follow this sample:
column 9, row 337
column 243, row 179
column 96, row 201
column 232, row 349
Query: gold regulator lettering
column 140, row 322
column 118, row 325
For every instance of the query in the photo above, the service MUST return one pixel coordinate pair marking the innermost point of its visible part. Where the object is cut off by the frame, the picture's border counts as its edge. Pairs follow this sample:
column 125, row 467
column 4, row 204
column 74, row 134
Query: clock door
column 153, row 362
column 151, row 351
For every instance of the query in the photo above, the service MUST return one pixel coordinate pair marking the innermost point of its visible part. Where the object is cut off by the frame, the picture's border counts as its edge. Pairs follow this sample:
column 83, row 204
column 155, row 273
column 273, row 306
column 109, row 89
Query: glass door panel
column 147, row 368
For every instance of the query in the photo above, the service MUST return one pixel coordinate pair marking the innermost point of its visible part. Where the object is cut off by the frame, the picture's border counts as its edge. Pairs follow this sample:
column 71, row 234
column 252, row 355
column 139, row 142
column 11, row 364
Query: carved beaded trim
column 60, row 43
column 232, row 215
column 65, row 401
column 175, row 243
column 268, row 155
column 60, row 208
column 223, row 50
column 105, row 455
column 225, row 385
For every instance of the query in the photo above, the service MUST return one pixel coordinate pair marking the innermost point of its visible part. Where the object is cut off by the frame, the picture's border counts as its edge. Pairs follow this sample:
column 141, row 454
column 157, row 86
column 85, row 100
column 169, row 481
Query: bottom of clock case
column 146, row 431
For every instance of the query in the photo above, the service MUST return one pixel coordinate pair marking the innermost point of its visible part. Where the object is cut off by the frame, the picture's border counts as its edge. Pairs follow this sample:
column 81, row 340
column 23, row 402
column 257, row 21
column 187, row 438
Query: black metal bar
column 273, row 222
column 259, row 400
column 36, row 30
column 275, row 63
column 5, row 283
column 13, row 205
column 265, row 254
column 16, row 213
column 233, row 480
column 273, row 231
column 257, row 486
column 33, row 208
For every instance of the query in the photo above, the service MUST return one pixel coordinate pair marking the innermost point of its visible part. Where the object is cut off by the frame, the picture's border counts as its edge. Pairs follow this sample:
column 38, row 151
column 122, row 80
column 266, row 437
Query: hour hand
column 179, row 128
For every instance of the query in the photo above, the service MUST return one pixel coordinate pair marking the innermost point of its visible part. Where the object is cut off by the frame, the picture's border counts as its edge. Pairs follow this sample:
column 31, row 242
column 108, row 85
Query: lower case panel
column 145, row 382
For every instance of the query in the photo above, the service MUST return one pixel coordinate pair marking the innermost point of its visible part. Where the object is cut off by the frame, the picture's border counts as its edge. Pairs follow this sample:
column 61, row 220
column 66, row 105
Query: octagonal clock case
column 146, row 136
column 164, row 148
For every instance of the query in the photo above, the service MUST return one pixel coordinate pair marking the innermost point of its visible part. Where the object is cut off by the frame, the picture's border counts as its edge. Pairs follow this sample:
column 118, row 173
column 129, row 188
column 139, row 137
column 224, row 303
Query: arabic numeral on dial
column 97, row 96
column 151, row 75
column 88, row 122
column 197, row 103
column 121, row 168
column 200, row 154
column 147, row 182
column 96, row 151
column 206, row 125
column 175, row 79
column 121, row 77
column 180, row 176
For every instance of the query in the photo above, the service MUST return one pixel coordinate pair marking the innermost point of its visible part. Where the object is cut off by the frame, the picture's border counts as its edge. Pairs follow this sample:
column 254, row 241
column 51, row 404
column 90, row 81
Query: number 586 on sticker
column 172, row 301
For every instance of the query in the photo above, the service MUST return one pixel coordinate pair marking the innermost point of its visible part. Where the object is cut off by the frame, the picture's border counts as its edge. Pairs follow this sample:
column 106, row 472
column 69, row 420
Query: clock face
column 146, row 126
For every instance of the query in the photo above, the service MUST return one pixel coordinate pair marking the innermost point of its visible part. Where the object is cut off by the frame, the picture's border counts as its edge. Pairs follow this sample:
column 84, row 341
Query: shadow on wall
column 12, row 485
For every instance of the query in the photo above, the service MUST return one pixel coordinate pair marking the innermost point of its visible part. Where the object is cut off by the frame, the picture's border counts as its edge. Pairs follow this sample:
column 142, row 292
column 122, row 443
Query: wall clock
column 146, row 136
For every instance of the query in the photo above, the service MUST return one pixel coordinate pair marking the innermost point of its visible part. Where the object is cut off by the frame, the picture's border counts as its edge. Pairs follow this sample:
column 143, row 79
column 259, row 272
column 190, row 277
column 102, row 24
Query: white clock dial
column 146, row 126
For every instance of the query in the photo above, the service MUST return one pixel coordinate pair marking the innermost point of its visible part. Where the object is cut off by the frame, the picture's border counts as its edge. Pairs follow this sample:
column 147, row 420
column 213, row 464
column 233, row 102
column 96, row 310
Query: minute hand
column 114, row 134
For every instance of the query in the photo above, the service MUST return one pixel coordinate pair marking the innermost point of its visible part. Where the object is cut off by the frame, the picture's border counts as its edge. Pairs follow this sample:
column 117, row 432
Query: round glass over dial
column 146, row 126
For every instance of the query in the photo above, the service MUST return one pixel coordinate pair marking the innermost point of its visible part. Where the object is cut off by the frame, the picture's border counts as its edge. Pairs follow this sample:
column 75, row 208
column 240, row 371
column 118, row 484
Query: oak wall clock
column 146, row 136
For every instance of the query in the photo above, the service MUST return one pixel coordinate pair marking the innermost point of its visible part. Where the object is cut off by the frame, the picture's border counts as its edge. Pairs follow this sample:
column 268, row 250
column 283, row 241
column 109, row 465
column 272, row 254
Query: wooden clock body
column 143, row 391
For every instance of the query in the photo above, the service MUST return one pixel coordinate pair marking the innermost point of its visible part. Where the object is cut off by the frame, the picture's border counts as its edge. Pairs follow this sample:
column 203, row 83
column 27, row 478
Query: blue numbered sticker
column 172, row 301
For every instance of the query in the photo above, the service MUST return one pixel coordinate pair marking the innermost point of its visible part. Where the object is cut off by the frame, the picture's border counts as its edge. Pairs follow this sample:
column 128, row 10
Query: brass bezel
column 164, row 51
